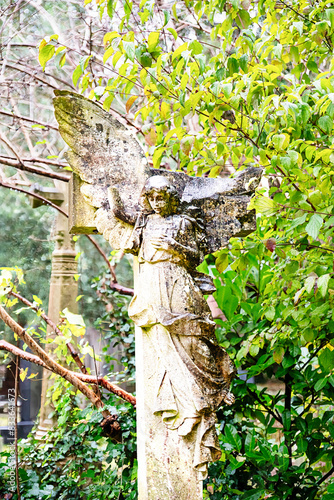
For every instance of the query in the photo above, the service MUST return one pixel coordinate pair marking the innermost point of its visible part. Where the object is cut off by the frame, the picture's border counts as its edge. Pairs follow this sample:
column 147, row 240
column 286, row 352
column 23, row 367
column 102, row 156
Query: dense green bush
column 75, row 461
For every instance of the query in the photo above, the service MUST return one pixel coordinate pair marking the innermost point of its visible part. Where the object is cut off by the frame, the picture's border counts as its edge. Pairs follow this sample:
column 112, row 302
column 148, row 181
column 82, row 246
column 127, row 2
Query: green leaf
column 253, row 494
column 179, row 50
column 243, row 19
column 323, row 284
column 173, row 32
column 326, row 124
column 314, row 225
column 299, row 25
column 309, row 283
column 270, row 313
column 166, row 17
column 110, row 8
column 111, row 35
column 298, row 221
column 278, row 354
column 45, row 54
column 37, row 300
column 157, row 156
column 326, row 359
column 280, row 141
column 330, row 16
column 254, row 350
column 285, row 162
column 129, row 48
column 232, row 437
column 222, row 262
column 227, row 89
column 263, row 205
column 76, row 74
column 196, row 47
column 73, row 319
column 146, row 60
column 107, row 54
column 320, row 384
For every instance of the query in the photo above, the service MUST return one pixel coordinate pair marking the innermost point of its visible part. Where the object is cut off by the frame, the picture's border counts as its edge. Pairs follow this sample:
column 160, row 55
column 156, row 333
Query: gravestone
column 169, row 222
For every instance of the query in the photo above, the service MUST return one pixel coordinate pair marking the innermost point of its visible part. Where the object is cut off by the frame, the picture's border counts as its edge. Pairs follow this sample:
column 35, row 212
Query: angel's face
column 159, row 201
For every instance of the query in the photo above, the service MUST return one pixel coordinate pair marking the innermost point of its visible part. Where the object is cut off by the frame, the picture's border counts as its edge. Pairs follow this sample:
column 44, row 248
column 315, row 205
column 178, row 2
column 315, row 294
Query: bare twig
column 114, row 285
column 99, row 249
column 22, row 165
column 34, row 195
column 34, row 76
column 30, row 120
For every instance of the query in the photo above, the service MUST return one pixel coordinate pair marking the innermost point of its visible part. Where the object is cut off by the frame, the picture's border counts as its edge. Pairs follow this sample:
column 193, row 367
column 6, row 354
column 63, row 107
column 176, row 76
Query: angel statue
column 169, row 221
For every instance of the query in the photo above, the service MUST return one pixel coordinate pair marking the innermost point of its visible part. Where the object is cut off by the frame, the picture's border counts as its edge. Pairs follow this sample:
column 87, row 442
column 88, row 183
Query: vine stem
column 15, row 430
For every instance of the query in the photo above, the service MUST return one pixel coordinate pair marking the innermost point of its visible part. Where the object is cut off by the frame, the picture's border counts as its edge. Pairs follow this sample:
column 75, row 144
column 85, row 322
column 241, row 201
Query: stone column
column 63, row 293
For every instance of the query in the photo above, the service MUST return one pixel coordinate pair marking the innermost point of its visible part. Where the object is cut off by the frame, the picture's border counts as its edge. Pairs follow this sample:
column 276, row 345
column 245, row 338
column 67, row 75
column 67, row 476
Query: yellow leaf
column 130, row 102
column 151, row 137
column 109, row 52
column 164, row 110
column 23, row 374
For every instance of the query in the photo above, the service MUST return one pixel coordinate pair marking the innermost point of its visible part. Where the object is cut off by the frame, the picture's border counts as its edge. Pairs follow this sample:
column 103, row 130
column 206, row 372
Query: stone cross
column 63, row 286
column 169, row 222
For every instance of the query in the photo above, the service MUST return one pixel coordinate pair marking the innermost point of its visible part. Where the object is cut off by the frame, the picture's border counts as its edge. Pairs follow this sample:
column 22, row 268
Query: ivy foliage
column 75, row 460
column 210, row 84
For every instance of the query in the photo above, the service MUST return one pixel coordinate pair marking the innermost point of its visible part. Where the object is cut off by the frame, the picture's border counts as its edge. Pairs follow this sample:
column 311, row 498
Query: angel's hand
column 163, row 243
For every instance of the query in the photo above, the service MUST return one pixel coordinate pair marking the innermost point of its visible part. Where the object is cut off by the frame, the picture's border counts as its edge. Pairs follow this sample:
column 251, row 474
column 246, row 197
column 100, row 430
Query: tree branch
column 48, row 361
column 21, row 165
column 55, row 328
column 34, row 195
column 30, row 120
column 123, row 290
column 35, row 77
column 90, row 379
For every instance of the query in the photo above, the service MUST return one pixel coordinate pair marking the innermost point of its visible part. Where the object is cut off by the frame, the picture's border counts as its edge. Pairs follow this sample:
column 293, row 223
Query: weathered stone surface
column 107, row 158
column 189, row 371
column 165, row 459
column 169, row 221
column 103, row 152
column 81, row 213
column 63, row 292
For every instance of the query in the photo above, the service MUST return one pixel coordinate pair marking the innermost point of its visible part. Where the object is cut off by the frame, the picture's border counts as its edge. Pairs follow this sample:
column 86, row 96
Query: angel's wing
column 223, row 206
column 109, row 161
column 112, row 170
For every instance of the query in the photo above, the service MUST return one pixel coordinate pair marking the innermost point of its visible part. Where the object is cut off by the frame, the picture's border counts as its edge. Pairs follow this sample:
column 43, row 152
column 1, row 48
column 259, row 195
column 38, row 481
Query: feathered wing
column 222, row 206
column 109, row 161
column 113, row 170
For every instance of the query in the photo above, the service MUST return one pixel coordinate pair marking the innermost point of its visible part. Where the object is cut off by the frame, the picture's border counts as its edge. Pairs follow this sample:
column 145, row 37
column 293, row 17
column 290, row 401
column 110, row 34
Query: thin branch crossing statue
column 169, row 221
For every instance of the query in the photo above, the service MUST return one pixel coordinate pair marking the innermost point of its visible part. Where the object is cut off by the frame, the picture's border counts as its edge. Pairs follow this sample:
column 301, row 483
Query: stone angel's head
column 159, row 196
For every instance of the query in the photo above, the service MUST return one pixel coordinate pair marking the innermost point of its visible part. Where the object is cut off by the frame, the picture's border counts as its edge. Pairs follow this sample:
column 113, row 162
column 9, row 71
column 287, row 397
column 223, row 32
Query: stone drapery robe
column 170, row 308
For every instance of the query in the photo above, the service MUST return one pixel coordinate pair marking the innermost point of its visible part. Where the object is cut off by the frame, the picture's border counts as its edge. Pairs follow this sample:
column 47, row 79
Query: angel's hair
column 159, row 183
